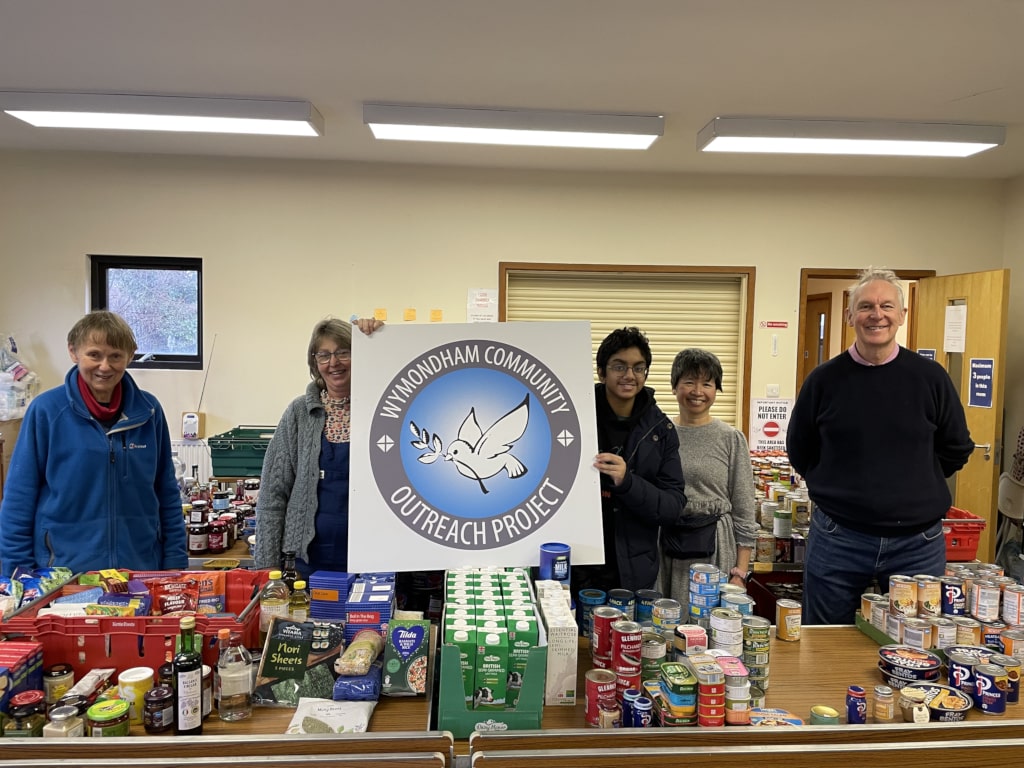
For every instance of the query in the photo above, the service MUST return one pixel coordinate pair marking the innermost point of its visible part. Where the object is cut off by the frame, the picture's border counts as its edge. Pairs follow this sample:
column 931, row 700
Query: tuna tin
column 666, row 613
column 990, row 689
column 624, row 600
column 756, row 628
column 587, row 600
column 787, row 620
column 705, row 573
column 653, row 652
column 743, row 604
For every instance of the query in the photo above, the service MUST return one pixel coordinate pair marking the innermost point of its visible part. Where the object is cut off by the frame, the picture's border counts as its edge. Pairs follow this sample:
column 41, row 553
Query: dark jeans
column 841, row 565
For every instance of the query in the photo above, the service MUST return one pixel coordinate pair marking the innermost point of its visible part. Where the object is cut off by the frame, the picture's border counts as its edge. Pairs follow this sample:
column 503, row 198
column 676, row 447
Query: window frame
column 100, row 264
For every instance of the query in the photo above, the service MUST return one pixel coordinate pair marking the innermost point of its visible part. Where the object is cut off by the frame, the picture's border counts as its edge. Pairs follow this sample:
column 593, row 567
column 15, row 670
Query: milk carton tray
column 87, row 642
column 239, row 452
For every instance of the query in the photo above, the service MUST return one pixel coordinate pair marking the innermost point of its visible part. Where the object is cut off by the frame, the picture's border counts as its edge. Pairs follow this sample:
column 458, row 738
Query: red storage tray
column 963, row 532
column 89, row 642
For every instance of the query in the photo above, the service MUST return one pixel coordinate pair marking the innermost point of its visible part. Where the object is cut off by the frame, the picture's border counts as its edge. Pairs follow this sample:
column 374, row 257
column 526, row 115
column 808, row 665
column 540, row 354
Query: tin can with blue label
column 624, row 600
column 645, row 602
column 991, row 687
column 554, row 561
column 586, row 601
column 856, row 705
column 953, row 596
column 642, row 712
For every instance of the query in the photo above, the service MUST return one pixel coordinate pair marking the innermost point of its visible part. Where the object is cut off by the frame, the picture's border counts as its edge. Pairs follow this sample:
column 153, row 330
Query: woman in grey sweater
column 719, row 482
column 303, row 501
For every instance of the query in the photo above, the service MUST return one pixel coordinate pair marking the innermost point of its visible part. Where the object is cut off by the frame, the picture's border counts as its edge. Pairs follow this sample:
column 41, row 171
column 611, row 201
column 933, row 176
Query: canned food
column 968, row 631
column 787, row 620
column 743, row 604
column 867, row 600
column 990, row 689
column 645, row 603
column 1013, row 604
column 985, row 600
column 600, row 686
column 764, row 547
column 960, row 668
column 666, row 613
column 929, row 595
column 1012, row 642
column 902, row 596
column 624, row 600
column 602, row 618
column 705, row 573
column 917, row 633
column 943, row 632
column 627, row 639
column 587, row 600
column 1012, row 667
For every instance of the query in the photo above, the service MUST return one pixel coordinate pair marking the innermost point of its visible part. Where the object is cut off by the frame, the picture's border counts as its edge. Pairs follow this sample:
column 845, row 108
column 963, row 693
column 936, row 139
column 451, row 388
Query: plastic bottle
column 298, row 603
column 288, row 572
column 234, row 677
column 179, row 474
column 188, row 682
column 273, row 602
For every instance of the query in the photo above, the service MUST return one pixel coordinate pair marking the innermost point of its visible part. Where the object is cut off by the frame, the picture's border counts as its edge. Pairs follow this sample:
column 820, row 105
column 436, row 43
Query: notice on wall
column 472, row 444
column 982, row 369
column 929, row 353
column 955, row 328
column 482, row 305
column 769, row 418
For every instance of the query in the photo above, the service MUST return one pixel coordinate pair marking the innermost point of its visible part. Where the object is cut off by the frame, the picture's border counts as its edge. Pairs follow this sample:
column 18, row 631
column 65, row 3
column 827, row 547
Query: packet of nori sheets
column 298, row 661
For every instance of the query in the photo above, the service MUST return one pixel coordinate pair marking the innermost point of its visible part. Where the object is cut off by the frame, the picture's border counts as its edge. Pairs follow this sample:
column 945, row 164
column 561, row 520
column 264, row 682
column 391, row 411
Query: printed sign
column 769, row 418
column 982, row 369
column 472, row 444
column 929, row 353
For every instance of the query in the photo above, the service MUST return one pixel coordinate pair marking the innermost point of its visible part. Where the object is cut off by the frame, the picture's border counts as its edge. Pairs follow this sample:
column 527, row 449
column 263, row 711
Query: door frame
column 812, row 273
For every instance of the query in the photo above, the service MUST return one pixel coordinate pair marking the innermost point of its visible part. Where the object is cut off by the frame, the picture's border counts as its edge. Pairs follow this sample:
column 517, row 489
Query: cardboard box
column 563, row 649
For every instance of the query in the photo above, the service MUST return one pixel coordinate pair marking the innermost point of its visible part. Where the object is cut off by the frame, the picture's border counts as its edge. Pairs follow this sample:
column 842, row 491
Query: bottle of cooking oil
column 298, row 604
column 273, row 602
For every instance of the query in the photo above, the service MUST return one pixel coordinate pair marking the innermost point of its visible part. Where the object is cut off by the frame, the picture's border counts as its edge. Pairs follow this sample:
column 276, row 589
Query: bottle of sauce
column 188, row 682
column 273, row 602
column 298, row 603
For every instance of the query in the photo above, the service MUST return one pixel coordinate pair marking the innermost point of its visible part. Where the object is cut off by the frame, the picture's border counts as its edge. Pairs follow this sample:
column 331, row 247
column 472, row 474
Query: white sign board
column 769, row 418
column 472, row 445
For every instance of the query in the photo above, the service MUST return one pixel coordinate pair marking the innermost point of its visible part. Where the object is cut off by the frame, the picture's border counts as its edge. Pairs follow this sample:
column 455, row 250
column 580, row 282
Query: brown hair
column 104, row 326
column 331, row 328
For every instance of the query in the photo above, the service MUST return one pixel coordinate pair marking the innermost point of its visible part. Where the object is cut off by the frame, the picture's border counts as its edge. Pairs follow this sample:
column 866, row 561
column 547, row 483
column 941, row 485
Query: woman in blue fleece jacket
column 91, row 480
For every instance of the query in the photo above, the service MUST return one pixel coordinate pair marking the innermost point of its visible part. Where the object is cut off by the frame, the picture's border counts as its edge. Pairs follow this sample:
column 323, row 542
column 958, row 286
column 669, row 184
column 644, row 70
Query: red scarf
column 100, row 411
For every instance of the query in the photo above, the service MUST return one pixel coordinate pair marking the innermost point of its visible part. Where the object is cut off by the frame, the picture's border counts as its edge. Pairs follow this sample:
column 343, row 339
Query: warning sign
column 768, row 420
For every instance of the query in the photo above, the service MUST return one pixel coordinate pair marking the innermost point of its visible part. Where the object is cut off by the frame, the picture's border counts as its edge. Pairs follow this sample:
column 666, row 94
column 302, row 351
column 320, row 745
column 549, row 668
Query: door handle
column 988, row 450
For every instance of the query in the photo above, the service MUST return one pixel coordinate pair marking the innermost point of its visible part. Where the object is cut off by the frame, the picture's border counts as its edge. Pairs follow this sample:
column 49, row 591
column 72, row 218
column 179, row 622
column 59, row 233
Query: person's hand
column 367, row 324
column 612, row 465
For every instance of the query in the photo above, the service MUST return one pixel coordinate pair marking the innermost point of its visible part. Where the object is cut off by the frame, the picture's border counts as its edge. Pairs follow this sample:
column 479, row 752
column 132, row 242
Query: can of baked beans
column 600, row 686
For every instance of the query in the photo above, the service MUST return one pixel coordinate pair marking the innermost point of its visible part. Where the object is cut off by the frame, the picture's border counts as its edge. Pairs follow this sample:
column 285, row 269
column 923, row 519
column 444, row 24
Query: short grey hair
column 871, row 274
column 338, row 331
column 697, row 363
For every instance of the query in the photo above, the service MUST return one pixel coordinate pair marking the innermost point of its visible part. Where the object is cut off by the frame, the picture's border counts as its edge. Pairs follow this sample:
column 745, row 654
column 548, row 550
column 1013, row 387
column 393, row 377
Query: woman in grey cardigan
column 303, row 500
column 719, row 482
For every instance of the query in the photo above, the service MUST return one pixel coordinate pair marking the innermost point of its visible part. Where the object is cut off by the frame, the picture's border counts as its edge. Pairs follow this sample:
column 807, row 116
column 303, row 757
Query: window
column 676, row 307
column 161, row 298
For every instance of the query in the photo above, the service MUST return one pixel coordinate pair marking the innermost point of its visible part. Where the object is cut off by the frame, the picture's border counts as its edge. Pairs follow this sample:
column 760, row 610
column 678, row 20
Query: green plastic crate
column 239, row 452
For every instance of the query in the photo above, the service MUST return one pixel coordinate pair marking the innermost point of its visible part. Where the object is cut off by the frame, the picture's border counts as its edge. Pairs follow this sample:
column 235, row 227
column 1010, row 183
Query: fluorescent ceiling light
column 512, row 126
column 163, row 113
column 847, row 137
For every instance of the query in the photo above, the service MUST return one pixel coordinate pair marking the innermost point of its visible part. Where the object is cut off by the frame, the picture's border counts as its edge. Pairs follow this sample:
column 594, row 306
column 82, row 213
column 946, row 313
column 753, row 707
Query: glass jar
column 158, row 710
column 207, row 690
column 198, row 538
column 199, row 511
column 216, row 541
column 35, row 699
column 912, row 704
column 57, row 679
column 76, row 700
column 221, row 501
column 64, row 723
column 884, row 709
column 109, row 718
column 24, row 721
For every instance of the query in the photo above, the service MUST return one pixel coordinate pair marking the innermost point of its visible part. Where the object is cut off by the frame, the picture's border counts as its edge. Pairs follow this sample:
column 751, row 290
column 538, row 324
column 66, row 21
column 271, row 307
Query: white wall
column 285, row 243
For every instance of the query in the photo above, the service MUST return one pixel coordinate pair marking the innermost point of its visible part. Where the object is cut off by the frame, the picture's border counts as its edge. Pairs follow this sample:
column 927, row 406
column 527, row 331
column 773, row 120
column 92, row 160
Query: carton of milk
column 464, row 637
column 492, row 659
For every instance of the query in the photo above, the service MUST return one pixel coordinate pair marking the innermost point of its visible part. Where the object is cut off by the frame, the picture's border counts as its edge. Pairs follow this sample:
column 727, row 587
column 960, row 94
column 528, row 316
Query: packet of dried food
column 174, row 594
column 406, row 657
column 298, row 661
column 361, row 653
column 320, row 716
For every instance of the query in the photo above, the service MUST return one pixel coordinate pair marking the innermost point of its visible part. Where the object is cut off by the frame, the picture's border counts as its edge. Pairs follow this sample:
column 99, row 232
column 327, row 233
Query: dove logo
column 475, row 444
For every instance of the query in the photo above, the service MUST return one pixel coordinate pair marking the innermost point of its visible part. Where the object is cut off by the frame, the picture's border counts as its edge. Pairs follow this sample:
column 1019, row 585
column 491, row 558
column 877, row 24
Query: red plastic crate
column 963, row 532
column 89, row 642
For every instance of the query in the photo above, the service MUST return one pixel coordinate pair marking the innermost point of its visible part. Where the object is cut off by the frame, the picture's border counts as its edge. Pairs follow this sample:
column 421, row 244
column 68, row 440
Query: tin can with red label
column 600, row 686
column 626, row 678
column 601, row 620
column 627, row 641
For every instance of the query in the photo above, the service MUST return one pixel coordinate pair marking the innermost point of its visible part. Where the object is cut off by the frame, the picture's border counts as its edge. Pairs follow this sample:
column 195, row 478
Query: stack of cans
column 710, row 689
column 705, row 580
column 666, row 615
column 756, row 651
column 737, row 690
column 726, row 627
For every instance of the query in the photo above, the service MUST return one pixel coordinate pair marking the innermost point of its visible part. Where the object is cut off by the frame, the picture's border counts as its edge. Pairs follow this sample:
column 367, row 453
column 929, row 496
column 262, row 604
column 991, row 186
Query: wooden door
column 817, row 330
column 986, row 296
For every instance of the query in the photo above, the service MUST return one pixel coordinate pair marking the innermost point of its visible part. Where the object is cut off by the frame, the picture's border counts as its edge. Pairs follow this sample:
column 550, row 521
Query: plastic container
column 963, row 532
column 239, row 452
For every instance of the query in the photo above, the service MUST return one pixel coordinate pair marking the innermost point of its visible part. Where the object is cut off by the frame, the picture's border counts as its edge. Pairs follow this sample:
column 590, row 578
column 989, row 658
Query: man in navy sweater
column 875, row 432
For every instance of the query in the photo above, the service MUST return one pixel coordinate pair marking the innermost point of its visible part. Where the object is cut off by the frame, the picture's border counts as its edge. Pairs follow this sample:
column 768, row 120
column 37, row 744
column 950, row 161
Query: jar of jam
column 230, row 520
column 57, row 679
column 198, row 538
column 216, row 541
column 34, row 699
column 24, row 721
column 158, row 710
column 109, row 718
column 221, row 500
column 200, row 510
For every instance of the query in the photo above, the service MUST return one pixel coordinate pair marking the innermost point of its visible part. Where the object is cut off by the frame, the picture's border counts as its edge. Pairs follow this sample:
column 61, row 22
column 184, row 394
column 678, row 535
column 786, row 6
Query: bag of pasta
column 360, row 653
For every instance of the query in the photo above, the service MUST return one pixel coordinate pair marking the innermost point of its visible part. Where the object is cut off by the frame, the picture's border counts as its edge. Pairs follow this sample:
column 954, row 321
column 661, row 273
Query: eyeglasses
column 339, row 354
column 639, row 369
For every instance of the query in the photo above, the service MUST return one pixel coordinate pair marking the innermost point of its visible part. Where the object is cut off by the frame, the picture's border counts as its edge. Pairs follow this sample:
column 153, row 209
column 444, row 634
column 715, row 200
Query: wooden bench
column 622, row 738
column 980, row 753
column 325, row 746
